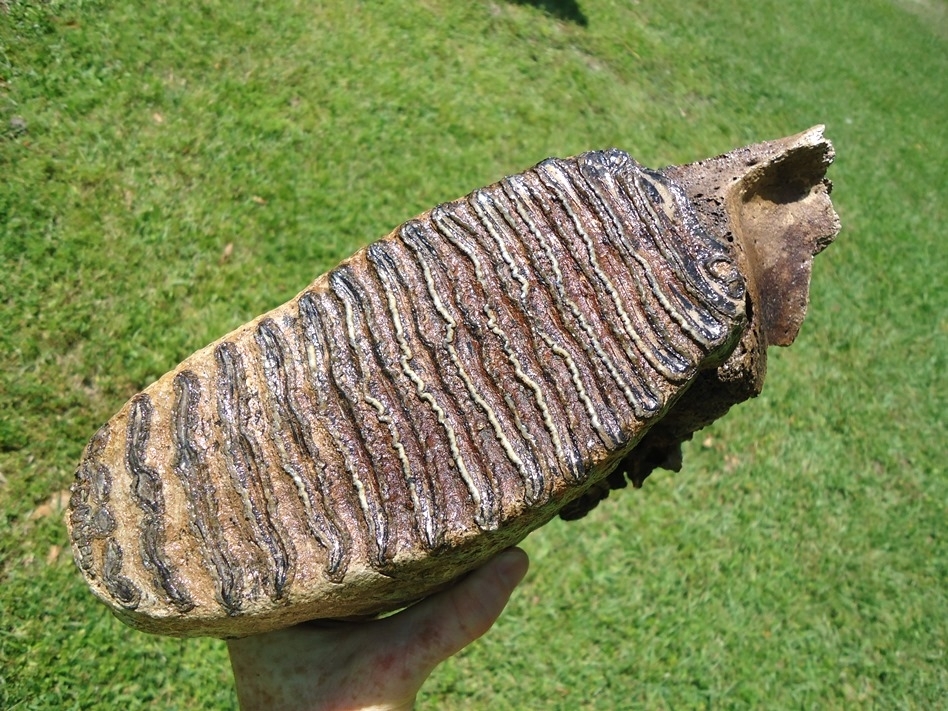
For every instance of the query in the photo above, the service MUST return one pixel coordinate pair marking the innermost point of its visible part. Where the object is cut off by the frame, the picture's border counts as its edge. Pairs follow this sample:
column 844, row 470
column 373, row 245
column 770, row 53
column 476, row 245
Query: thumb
column 444, row 624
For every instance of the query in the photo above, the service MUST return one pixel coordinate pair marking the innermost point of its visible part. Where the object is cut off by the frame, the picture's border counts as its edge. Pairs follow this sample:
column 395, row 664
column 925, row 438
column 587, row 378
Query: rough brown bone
column 499, row 360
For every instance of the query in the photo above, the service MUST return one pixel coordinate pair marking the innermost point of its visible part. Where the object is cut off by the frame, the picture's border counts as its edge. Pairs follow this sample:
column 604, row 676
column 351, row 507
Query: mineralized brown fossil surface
column 501, row 359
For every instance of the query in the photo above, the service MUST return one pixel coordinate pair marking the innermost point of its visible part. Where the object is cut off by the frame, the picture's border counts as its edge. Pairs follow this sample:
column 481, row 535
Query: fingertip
column 449, row 621
column 510, row 566
column 479, row 599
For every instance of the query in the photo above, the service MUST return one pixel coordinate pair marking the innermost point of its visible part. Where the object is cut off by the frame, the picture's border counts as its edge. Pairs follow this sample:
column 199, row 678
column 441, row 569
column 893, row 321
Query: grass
column 170, row 170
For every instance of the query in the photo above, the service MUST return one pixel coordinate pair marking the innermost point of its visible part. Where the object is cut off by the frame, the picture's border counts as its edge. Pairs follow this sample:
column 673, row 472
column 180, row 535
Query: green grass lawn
column 168, row 170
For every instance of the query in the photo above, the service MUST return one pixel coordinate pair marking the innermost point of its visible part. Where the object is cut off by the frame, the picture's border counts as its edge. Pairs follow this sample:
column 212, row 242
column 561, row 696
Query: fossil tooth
column 501, row 359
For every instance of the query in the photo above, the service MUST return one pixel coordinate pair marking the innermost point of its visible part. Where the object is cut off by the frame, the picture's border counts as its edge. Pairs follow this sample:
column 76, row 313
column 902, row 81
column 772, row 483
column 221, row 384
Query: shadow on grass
column 561, row 9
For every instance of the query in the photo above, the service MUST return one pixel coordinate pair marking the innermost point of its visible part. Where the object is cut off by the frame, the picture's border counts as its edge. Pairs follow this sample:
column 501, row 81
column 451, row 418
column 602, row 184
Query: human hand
column 379, row 664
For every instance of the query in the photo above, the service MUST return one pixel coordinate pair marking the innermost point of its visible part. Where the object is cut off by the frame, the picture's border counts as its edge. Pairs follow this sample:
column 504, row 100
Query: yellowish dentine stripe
column 421, row 388
column 546, row 337
column 511, row 453
column 562, row 185
column 521, row 195
column 485, row 518
column 356, row 479
column 644, row 205
column 605, row 190
column 481, row 204
column 640, row 204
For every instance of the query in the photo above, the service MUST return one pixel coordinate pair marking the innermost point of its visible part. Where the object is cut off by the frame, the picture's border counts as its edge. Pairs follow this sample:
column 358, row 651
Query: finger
column 447, row 622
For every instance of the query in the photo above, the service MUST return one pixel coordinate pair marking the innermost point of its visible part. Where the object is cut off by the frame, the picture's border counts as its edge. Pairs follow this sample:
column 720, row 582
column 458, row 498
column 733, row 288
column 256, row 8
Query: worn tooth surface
column 501, row 359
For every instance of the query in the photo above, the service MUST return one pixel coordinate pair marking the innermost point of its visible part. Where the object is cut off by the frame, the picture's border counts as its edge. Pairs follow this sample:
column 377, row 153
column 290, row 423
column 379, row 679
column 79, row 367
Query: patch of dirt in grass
column 934, row 13
column 53, row 506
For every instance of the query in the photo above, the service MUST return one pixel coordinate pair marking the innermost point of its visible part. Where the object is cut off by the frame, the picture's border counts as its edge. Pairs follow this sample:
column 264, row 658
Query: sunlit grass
column 171, row 170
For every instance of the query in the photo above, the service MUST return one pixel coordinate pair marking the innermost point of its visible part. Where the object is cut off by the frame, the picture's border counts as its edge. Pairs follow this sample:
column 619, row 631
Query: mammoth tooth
column 498, row 360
